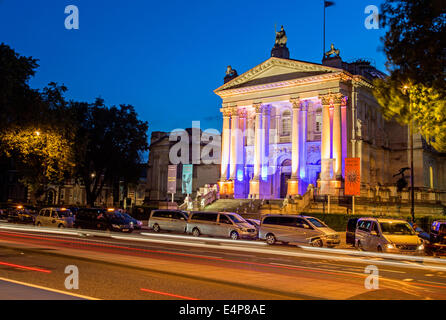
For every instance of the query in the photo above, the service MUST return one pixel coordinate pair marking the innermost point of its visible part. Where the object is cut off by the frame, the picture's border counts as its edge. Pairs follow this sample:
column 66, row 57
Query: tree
column 428, row 108
column 34, row 128
column 415, row 42
column 18, row 102
column 108, row 145
column 415, row 49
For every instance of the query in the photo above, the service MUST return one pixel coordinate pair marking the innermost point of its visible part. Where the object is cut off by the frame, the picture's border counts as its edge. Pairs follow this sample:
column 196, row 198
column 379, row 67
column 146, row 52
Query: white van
column 387, row 235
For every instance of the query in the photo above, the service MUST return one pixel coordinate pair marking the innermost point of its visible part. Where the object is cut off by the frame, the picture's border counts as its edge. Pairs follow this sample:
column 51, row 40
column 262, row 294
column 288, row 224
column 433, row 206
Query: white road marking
column 48, row 289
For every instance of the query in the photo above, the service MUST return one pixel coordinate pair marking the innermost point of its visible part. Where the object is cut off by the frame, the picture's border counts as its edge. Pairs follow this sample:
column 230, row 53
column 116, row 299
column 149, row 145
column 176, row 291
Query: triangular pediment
column 276, row 70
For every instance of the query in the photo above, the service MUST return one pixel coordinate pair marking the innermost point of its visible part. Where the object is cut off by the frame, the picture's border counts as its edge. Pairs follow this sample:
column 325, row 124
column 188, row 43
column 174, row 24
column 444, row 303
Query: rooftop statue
column 281, row 38
column 230, row 74
column 280, row 49
column 333, row 51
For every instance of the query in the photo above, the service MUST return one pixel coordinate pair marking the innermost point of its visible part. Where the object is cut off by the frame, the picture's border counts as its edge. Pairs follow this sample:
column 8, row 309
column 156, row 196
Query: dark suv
column 102, row 219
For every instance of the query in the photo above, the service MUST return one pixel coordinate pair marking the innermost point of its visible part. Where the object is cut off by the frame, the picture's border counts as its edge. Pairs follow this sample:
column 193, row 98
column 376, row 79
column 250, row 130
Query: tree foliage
column 414, row 45
column 428, row 108
column 108, row 145
column 44, row 156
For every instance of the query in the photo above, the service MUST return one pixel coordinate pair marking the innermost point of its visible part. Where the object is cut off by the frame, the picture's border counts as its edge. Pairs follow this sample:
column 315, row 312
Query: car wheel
column 234, row 235
column 317, row 243
column 379, row 249
column 196, row 232
column 156, row 227
column 38, row 224
column 61, row 226
column 270, row 238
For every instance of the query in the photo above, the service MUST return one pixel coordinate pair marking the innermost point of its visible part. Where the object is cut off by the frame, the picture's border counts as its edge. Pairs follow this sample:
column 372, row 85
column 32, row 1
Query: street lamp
column 412, row 191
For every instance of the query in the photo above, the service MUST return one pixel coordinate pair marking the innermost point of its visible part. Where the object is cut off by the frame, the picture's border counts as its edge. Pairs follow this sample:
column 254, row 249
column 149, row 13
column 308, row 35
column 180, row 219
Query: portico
column 281, row 121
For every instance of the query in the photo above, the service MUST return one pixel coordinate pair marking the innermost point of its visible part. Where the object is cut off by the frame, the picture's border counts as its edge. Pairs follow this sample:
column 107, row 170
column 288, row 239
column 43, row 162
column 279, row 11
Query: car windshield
column 236, row 219
column 317, row 223
column 253, row 222
column 396, row 228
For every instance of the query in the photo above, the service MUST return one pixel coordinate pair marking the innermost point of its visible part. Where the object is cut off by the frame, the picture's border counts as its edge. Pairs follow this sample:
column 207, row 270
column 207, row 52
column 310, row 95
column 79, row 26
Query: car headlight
column 117, row 226
column 421, row 247
column 390, row 246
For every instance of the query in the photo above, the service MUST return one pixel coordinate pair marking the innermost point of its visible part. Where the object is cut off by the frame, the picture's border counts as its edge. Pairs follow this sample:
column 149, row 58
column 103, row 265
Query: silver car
column 220, row 224
column 55, row 217
column 168, row 220
column 387, row 235
column 297, row 229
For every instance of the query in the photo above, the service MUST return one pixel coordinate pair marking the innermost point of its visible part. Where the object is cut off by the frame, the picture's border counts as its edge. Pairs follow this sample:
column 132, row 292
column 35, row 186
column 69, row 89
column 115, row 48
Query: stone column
column 293, row 182
column 225, row 144
column 295, row 139
column 337, row 136
column 254, row 183
column 326, row 130
column 235, row 133
column 265, row 136
column 303, row 146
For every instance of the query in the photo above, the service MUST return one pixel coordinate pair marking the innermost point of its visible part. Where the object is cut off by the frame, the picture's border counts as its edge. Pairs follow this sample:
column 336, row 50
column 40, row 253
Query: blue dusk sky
column 166, row 57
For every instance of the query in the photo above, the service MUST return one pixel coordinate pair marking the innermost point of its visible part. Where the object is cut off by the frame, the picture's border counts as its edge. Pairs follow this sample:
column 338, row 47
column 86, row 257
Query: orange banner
column 352, row 177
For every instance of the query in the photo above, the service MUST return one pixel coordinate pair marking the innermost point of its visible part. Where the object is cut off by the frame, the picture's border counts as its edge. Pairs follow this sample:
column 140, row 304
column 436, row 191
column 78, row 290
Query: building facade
column 289, row 123
column 157, row 171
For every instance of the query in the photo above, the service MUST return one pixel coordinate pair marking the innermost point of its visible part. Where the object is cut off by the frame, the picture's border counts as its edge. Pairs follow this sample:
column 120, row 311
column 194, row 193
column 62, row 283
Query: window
column 201, row 216
column 364, row 225
column 178, row 216
column 162, row 214
column 224, row 219
column 286, row 123
column 236, row 218
column 270, row 220
column 318, row 123
column 397, row 228
column 317, row 223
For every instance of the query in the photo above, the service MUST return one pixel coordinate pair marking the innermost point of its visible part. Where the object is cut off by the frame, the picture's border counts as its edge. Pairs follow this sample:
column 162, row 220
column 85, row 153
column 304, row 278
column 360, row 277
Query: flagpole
column 323, row 52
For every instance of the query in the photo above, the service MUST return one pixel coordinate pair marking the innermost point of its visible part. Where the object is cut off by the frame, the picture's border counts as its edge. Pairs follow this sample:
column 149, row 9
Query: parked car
column 220, row 224
column 137, row 225
column 168, row 220
column 387, row 235
column 436, row 244
column 55, row 217
column 21, row 214
column 351, row 230
column 297, row 229
column 420, row 232
column 102, row 219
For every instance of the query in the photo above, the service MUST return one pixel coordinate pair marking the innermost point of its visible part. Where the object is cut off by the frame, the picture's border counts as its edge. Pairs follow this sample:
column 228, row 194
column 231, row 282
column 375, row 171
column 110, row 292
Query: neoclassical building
column 290, row 123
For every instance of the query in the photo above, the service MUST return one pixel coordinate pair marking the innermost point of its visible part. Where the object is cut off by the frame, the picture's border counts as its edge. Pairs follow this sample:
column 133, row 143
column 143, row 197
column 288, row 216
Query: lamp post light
column 412, row 191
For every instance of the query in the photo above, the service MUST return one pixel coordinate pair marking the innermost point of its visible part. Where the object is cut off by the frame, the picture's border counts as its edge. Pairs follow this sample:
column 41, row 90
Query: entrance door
column 283, row 184
column 285, row 174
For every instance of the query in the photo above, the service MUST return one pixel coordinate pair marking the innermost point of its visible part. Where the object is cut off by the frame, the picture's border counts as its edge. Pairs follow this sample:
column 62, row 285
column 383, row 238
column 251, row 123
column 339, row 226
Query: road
column 147, row 266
